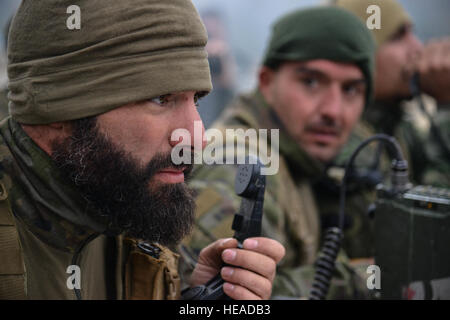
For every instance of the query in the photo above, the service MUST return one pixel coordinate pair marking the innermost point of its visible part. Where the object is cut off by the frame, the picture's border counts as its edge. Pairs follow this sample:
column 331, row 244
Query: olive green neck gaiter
column 50, row 206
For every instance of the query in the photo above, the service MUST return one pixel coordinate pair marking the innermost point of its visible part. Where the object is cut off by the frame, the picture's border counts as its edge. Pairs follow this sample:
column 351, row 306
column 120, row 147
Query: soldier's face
column 318, row 102
column 121, row 163
column 395, row 63
column 143, row 129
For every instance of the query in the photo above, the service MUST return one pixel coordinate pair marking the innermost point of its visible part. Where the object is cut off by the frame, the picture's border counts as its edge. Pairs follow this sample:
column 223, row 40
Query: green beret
column 124, row 51
column 328, row 33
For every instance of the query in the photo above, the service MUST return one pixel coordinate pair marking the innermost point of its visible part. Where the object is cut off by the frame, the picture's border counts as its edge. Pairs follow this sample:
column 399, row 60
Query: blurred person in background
column 396, row 111
column 400, row 56
column 222, row 65
column 437, row 143
column 7, row 9
column 3, row 77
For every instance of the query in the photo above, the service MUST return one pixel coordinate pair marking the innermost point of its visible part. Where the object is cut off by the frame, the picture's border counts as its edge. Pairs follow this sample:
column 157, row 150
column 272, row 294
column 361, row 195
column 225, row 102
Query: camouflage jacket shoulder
column 437, row 171
column 53, row 235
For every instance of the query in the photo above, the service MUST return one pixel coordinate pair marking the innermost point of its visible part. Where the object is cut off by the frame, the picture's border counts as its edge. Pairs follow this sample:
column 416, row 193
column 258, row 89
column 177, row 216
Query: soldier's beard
column 120, row 190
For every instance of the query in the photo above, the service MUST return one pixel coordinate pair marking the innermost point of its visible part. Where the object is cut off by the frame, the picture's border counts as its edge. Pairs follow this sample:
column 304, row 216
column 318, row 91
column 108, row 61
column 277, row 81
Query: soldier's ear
column 63, row 127
column 266, row 77
column 44, row 135
column 56, row 125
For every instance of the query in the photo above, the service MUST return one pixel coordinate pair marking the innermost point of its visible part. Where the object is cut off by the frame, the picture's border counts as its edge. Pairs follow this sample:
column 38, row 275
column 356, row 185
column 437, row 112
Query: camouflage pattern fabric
column 56, row 231
column 49, row 219
column 3, row 103
column 401, row 120
column 60, row 219
column 290, row 209
column 437, row 172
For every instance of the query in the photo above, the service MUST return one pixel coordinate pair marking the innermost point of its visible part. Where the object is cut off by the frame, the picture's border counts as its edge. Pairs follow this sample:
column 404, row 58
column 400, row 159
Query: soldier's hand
column 434, row 69
column 250, row 271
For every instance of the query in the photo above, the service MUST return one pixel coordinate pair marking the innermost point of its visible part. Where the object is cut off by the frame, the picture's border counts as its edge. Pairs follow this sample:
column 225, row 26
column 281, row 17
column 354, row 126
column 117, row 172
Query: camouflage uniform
column 399, row 121
column 45, row 228
column 3, row 103
column 290, row 208
column 437, row 172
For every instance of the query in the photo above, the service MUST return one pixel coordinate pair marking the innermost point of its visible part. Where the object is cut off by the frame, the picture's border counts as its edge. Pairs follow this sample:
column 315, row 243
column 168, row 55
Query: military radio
column 412, row 242
column 412, row 239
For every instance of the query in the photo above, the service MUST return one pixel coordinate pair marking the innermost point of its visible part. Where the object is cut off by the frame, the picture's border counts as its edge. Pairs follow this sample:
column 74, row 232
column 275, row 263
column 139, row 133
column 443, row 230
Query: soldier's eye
column 198, row 96
column 197, row 99
column 310, row 82
column 352, row 90
column 161, row 100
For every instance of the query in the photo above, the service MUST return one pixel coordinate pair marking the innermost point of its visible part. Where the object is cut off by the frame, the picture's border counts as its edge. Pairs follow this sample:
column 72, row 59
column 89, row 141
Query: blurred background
column 238, row 31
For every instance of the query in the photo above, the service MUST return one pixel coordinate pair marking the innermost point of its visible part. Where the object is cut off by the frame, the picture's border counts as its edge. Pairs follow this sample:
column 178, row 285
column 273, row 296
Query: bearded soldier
column 87, row 181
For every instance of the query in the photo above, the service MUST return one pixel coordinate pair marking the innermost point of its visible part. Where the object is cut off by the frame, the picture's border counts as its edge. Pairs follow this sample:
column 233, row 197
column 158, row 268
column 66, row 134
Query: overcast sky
column 248, row 23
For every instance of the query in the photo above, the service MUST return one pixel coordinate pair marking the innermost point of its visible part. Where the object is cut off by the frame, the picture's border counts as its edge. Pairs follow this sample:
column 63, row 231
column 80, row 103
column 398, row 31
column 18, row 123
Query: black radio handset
column 250, row 185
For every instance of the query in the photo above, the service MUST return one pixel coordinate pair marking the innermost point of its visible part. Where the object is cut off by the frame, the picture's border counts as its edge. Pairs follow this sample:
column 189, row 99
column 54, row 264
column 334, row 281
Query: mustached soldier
column 315, row 80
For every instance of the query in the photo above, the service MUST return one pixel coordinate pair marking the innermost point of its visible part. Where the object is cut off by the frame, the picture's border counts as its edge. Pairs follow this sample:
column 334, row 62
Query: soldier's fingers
column 252, row 261
column 211, row 255
column 236, row 292
column 265, row 246
column 253, row 282
column 210, row 261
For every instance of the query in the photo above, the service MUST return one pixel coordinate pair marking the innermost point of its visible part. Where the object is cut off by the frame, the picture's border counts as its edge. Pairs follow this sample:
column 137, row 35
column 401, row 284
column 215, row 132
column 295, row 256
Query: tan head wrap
column 393, row 15
column 124, row 51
